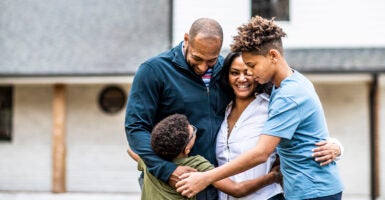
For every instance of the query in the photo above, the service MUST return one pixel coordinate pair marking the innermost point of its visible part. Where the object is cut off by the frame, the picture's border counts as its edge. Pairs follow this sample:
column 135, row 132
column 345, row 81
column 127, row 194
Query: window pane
column 5, row 113
column 271, row 8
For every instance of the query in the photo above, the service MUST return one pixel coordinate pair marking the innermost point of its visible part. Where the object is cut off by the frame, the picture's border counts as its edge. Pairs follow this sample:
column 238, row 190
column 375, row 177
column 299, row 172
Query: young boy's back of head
column 170, row 136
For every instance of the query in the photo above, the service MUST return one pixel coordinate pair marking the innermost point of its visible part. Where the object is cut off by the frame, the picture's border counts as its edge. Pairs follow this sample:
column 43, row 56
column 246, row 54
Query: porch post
column 374, row 138
column 58, row 139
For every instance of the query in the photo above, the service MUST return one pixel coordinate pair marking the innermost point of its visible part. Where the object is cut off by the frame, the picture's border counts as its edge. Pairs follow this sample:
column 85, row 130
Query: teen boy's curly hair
column 169, row 136
column 258, row 36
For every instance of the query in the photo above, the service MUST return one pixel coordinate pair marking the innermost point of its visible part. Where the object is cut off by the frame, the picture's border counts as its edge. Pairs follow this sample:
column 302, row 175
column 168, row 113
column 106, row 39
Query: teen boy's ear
column 274, row 55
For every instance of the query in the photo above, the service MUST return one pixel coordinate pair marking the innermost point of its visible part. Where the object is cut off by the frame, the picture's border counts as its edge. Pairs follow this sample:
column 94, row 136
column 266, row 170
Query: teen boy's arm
column 244, row 188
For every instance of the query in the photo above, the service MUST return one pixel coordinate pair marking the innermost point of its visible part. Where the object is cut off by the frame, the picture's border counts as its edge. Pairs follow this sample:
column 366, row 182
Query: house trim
column 66, row 79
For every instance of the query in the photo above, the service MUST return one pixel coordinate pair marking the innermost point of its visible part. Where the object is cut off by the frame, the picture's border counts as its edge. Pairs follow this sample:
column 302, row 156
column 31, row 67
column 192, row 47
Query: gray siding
column 77, row 37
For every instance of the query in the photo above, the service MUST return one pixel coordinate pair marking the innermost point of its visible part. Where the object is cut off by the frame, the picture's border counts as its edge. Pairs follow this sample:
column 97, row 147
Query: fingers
column 188, row 193
column 183, row 176
column 321, row 143
column 325, row 159
column 186, row 169
column 190, row 170
column 180, row 186
column 325, row 162
column 184, row 190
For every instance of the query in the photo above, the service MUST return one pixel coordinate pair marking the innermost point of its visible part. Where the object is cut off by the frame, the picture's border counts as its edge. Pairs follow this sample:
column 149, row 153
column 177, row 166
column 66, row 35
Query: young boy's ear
column 187, row 150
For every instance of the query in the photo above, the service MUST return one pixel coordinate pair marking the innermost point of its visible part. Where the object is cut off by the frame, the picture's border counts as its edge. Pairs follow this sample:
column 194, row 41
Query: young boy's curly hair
column 169, row 136
column 258, row 36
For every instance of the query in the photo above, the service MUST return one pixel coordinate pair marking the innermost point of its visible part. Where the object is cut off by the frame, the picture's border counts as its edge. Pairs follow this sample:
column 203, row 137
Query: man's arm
column 328, row 151
column 241, row 189
column 193, row 183
column 140, row 118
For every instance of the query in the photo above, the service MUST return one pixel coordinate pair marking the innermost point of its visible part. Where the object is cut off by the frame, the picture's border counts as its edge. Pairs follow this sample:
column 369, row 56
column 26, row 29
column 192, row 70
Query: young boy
column 295, row 121
column 172, row 139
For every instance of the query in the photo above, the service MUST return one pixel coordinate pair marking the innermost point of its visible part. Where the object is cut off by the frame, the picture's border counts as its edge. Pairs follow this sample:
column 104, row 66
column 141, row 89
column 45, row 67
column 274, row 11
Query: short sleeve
column 141, row 165
column 283, row 118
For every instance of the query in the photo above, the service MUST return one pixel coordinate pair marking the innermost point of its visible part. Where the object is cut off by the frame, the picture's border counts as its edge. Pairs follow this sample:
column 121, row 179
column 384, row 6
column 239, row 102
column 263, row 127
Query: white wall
column 230, row 14
column 97, row 158
column 346, row 110
column 96, row 143
column 26, row 161
column 335, row 23
column 313, row 23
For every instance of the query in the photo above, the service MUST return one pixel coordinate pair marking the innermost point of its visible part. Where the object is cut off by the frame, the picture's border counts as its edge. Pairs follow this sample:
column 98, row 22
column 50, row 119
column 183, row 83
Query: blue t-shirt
column 297, row 117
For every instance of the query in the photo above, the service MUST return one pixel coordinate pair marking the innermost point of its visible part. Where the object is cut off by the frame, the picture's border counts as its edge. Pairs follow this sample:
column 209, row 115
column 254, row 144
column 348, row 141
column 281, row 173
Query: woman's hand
column 326, row 152
column 192, row 183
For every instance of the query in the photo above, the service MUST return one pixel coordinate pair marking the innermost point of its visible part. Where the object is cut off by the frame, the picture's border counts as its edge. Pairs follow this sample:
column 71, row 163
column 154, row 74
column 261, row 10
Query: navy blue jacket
column 164, row 85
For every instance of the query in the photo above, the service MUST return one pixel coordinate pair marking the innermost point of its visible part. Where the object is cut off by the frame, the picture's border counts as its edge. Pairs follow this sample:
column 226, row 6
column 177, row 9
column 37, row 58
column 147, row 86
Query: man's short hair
column 258, row 37
column 169, row 136
column 207, row 27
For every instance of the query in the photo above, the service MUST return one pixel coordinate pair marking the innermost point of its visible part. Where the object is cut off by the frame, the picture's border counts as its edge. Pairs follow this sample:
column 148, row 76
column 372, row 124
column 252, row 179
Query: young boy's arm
column 241, row 189
column 133, row 155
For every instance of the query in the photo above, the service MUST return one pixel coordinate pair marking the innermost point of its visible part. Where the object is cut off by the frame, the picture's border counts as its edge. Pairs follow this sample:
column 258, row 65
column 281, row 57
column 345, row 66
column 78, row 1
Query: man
column 183, row 80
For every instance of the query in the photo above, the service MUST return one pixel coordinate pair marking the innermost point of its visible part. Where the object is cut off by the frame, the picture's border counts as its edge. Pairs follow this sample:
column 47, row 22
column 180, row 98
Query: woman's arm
column 328, row 151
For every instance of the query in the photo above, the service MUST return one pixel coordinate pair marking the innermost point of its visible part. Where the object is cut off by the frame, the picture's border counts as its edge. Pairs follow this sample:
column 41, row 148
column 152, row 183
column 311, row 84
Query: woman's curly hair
column 169, row 136
column 258, row 36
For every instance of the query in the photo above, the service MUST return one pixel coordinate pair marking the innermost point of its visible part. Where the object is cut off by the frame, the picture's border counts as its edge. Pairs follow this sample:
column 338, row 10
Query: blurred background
column 66, row 67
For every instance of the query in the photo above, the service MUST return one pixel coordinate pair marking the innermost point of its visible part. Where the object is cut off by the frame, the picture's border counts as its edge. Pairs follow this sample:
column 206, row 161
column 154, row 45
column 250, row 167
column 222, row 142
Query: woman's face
column 241, row 80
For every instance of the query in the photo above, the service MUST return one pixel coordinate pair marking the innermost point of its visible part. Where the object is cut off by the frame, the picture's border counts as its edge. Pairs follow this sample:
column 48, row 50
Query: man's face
column 260, row 66
column 202, row 53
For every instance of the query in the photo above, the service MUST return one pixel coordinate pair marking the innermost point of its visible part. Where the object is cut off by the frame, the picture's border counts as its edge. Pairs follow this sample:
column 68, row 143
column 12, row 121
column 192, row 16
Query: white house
column 57, row 58
column 65, row 73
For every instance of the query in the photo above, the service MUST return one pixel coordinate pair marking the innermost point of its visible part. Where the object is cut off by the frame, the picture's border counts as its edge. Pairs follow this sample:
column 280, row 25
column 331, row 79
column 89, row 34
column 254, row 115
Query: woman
column 244, row 120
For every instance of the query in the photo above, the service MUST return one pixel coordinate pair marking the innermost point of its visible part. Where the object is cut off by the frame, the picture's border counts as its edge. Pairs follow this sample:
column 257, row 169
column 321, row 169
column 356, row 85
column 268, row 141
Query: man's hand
column 326, row 152
column 275, row 170
column 179, row 171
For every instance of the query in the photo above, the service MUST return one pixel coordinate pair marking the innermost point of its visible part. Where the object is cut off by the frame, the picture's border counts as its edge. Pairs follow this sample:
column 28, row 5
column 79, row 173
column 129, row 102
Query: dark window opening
column 271, row 8
column 6, row 100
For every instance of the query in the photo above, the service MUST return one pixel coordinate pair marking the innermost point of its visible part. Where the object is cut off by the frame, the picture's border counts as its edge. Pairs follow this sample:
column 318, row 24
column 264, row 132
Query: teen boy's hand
column 174, row 178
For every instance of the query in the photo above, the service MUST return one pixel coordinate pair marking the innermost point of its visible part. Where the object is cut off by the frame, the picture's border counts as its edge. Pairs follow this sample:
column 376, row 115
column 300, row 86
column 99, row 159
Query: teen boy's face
column 260, row 66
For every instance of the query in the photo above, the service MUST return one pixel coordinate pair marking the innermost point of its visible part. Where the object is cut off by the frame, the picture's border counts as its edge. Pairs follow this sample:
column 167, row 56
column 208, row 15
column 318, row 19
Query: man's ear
column 185, row 38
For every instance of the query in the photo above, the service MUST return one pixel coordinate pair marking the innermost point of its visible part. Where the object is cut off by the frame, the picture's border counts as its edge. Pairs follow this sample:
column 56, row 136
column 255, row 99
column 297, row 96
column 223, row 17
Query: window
column 271, row 8
column 6, row 113
column 112, row 99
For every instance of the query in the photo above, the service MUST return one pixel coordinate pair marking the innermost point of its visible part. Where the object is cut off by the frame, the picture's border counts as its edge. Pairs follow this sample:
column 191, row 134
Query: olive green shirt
column 155, row 189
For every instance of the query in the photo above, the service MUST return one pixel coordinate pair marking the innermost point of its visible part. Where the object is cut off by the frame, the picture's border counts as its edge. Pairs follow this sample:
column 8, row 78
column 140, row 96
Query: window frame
column 269, row 11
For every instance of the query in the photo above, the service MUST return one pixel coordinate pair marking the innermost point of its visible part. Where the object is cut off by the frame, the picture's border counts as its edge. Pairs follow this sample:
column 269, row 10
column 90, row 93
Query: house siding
column 96, row 143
